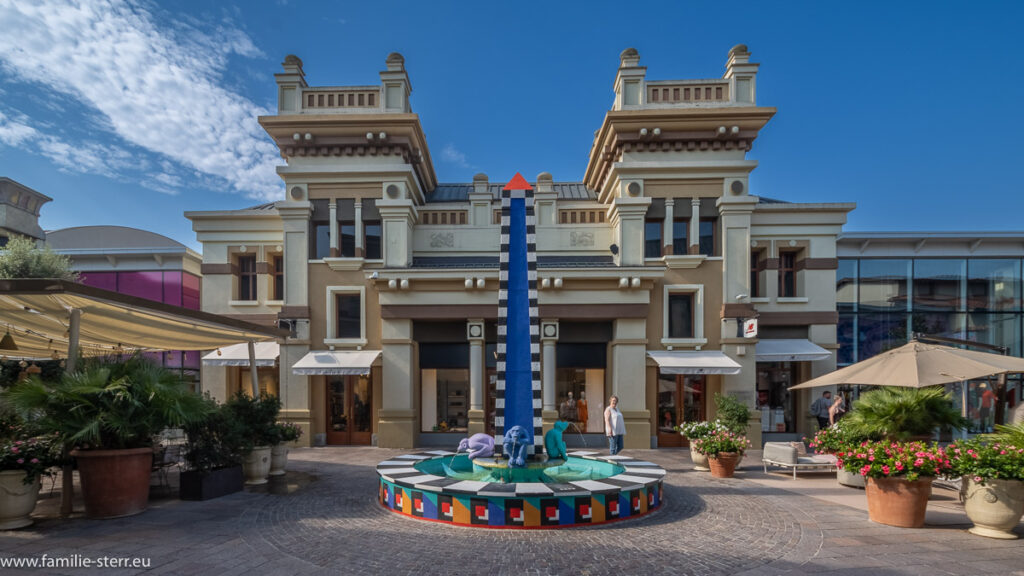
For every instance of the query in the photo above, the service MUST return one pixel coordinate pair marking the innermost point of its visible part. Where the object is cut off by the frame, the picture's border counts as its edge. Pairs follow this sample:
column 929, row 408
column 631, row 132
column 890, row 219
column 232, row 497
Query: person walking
column 819, row 409
column 836, row 410
column 614, row 426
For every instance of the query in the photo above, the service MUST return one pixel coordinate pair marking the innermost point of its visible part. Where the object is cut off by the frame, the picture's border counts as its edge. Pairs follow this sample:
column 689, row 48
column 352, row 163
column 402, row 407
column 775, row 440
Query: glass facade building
column 883, row 302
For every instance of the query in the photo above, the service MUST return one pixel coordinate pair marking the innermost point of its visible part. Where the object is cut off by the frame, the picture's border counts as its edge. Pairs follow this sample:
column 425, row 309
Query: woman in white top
column 614, row 426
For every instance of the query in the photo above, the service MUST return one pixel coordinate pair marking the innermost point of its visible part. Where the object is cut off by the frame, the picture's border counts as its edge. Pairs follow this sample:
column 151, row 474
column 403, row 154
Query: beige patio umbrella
column 918, row 364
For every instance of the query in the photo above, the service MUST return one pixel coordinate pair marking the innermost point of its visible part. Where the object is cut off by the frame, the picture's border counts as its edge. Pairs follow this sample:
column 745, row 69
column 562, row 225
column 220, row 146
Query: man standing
column 819, row 409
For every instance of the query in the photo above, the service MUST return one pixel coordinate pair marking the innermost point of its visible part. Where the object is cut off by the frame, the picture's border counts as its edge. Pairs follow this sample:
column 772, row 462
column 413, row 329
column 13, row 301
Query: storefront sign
column 750, row 328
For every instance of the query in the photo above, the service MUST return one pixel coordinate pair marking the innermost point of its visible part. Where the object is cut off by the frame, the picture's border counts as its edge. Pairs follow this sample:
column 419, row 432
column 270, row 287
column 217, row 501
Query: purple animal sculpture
column 478, row 446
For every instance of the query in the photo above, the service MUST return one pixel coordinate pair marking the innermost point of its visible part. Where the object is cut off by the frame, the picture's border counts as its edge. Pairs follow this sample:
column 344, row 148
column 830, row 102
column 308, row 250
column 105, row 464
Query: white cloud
column 158, row 89
column 452, row 155
column 14, row 132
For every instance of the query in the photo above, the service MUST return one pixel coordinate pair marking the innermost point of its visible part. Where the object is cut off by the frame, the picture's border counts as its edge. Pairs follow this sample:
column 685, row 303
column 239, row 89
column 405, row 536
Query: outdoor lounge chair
column 788, row 455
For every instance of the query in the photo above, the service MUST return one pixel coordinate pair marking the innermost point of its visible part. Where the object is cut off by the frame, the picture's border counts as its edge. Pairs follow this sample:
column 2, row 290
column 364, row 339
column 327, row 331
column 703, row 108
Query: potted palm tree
column 107, row 415
column 213, row 455
column 993, row 480
column 899, row 469
column 258, row 419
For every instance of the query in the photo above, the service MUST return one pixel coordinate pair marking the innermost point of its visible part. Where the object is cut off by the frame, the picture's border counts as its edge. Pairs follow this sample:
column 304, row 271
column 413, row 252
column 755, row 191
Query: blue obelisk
column 519, row 387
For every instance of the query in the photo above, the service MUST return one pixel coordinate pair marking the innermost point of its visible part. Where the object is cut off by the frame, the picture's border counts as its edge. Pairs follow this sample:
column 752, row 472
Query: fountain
column 518, row 486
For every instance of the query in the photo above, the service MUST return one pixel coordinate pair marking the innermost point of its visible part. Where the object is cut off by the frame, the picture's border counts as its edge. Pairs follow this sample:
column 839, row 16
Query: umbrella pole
column 963, row 405
column 252, row 370
column 999, row 415
column 67, row 485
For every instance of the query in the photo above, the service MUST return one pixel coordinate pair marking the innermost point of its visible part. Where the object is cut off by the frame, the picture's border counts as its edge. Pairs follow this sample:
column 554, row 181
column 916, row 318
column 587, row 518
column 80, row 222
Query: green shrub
column 732, row 413
column 257, row 417
column 216, row 440
column 898, row 413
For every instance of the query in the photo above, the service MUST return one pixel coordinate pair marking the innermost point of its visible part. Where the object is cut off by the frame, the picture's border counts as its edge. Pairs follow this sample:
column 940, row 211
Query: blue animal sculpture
column 515, row 446
column 553, row 443
column 478, row 446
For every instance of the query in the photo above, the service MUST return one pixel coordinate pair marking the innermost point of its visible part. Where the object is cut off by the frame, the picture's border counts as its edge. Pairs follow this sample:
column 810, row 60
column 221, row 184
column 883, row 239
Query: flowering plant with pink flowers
column 986, row 461
column 910, row 460
column 35, row 456
column 718, row 442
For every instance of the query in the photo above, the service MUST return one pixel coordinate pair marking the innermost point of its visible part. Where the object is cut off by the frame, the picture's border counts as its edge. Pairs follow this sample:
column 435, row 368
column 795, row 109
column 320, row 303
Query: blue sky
column 131, row 113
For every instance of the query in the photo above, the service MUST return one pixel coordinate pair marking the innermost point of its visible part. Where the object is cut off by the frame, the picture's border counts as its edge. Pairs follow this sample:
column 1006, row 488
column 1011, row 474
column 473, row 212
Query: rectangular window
column 319, row 240
column 707, row 237
column 846, row 286
column 652, row 238
column 680, row 236
column 940, row 285
column 348, row 308
column 277, row 274
column 882, row 285
column 680, row 316
column 755, row 273
column 993, row 285
column 347, row 240
column 372, row 234
column 247, row 277
column 787, row 274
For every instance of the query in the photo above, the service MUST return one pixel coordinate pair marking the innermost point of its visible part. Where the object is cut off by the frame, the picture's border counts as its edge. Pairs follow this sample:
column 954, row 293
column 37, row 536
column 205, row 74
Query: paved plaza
column 326, row 520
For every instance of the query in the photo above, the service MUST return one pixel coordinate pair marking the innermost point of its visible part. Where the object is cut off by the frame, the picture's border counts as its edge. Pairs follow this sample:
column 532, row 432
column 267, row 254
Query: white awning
column 693, row 362
column 238, row 355
column 340, row 362
column 796, row 350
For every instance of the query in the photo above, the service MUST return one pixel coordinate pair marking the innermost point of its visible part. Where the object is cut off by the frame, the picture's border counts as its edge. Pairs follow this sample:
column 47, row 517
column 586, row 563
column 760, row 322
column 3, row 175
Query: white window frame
column 698, row 315
column 332, row 316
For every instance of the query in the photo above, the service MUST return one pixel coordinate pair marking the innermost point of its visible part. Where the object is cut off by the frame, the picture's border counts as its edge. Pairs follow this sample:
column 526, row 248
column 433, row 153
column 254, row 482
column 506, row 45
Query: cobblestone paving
column 332, row 524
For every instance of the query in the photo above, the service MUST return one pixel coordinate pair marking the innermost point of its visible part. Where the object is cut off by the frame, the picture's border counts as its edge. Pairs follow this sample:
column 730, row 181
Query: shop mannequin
column 581, row 411
column 567, row 411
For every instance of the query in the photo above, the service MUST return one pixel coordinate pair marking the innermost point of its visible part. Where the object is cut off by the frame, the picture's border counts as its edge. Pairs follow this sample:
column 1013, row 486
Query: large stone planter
column 995, row 507
column 17, row 499
column 114, row 482
column 723, row 465
column 898, row 502
column 213, row 484
column 278, row 459
column 257, row 465
column 851, row 479
column 700, row 461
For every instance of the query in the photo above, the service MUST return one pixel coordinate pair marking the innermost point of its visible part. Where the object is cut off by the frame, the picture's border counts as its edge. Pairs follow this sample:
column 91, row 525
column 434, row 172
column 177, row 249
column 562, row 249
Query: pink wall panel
column 105, row 280
column 147, row 285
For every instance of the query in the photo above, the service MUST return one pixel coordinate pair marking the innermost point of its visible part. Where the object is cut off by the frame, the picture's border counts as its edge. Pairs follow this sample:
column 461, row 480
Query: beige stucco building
column 646, row 269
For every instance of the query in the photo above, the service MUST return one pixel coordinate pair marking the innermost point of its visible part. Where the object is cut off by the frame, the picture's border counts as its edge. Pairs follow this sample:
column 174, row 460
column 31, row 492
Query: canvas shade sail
column 238, row 355
column 37, row 314
column 336, row 363
column 693, row 362
column 918, row 364
column 790, row 350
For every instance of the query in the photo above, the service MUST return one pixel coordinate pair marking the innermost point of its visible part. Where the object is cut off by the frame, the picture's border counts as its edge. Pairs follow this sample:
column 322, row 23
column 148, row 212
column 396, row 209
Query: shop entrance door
column 681, row 399
column 349, row 408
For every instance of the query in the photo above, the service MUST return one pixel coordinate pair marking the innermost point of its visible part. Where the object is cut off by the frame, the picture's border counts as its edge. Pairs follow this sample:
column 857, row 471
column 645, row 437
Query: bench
column 787, row 455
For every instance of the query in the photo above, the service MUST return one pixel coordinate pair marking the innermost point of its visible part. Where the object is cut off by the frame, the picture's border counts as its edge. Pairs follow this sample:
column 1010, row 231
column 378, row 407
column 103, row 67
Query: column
column 396, row 425
column 548, row 340
column 629, row 379
column 297, row 406
column 694, row 232
column 667, row 229
column 475, row 335
column 335, row 237
column 627, row 219
column 359, row 228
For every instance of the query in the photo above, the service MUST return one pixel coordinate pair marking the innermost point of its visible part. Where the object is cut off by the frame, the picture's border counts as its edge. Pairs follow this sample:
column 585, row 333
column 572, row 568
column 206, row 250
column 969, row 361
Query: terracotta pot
column 995, row 508
column 897, row 501
column 114, row 482
column 17, row 499
column 723, row 464
column 278, row 459
column 700, row 461
column 257, row 465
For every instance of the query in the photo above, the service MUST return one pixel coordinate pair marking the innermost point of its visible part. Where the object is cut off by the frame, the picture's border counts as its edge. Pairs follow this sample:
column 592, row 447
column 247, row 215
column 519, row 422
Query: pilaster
column 627, row 219
column 398, row 217
column 548, row 340
column 396, row 426
column 629, row 364
column 476, row 414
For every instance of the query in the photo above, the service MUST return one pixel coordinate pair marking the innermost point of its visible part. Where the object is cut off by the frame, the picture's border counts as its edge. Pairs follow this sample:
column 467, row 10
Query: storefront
column 782, row 363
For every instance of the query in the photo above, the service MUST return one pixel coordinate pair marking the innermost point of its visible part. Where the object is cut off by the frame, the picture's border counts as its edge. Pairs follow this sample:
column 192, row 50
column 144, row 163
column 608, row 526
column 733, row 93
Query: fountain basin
column 585, row 489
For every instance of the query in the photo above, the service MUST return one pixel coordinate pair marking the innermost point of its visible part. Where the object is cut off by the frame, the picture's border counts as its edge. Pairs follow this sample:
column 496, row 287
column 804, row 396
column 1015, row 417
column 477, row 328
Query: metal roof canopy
column 38, row 313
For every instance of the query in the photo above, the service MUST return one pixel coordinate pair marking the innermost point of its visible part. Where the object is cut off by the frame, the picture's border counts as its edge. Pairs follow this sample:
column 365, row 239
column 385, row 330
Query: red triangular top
column 518, row 183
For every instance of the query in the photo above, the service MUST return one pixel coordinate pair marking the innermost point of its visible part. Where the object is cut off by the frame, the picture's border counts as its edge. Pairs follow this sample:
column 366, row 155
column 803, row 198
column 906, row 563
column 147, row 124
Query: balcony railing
column 340, row 99
column 687, row 91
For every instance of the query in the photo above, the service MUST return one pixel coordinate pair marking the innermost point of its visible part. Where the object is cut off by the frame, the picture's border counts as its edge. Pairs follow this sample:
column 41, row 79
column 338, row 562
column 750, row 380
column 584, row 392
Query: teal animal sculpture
column 553, row 443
